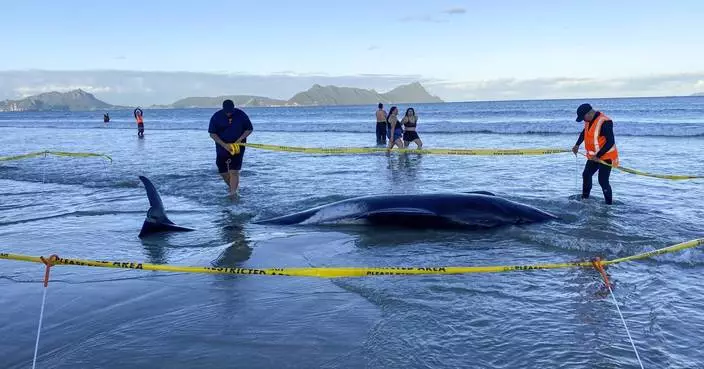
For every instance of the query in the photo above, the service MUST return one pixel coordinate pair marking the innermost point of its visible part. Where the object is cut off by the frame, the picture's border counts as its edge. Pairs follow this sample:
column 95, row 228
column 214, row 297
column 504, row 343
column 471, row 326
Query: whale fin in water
column 156, row 220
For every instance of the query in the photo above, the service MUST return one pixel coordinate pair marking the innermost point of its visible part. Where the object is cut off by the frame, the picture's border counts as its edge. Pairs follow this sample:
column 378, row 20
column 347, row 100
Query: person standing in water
column 106, row 118
column 381, row 125
column 599, row 141
column 395, row 131
column 410, row 121
column 139, row 116
column 229, row 126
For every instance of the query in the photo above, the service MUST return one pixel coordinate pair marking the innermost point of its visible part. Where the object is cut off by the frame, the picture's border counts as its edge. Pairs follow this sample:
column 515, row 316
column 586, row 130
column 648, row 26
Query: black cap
column 582, row 111
column 228, row 106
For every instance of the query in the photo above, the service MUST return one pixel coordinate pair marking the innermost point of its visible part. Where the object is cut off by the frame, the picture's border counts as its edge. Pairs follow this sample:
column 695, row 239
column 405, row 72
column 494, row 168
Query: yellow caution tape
column 664, row 250
column 646, row 174
column 341, row 272
column 653, row 175
column 369, row 150
column 55, row 153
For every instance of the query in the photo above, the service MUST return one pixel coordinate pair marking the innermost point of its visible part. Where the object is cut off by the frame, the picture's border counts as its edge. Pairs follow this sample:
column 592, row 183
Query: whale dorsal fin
column 156, row 220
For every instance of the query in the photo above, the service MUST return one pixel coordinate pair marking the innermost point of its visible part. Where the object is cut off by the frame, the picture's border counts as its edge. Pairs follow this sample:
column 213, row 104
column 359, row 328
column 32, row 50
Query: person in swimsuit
column 394, row 129
column 410, row 121
column 381, row 125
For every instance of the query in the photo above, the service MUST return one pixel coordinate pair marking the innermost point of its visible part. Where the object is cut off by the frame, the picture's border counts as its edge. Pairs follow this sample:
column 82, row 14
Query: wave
column 661, row 131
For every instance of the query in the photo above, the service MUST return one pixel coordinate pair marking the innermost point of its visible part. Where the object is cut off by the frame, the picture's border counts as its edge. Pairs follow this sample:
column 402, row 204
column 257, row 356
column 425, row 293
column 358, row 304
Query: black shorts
column 235, row 161
column 140, row 127
column 409, row 136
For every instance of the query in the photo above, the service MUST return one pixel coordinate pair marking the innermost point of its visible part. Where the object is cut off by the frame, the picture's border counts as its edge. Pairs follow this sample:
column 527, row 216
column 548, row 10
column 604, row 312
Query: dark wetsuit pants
column 604, row 171
column 381, row 133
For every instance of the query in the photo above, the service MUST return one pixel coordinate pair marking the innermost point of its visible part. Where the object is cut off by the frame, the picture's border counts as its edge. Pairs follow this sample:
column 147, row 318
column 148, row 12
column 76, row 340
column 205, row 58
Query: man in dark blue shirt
column 229, row 126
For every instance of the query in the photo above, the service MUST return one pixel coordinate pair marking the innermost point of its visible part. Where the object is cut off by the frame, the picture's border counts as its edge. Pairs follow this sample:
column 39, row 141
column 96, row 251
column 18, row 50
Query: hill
column 333, row 95
column 216, row 102
column 76, row 100
column 79, row 100
column 319, row 96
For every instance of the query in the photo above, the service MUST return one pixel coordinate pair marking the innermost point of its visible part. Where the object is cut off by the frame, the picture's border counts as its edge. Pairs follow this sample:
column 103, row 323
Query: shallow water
column 89, row 208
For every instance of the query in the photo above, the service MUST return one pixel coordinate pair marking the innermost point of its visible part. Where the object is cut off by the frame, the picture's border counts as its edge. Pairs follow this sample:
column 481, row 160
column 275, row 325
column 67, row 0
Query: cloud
column 147, row 88
column 422, row 18
column 429, row 18
column 373, row 47
column 557, row 88
column 121, row 57
column 24, row 91
column 455, row 11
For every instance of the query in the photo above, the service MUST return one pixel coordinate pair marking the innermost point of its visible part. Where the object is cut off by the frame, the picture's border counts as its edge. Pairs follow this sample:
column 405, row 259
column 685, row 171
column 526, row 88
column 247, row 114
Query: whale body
column 474, row 210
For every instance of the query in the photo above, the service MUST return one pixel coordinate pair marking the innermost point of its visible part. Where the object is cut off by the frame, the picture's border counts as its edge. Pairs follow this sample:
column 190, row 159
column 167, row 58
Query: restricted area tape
column 370, row 150
column 646, row 174
column 55, row 153
column 324, row 272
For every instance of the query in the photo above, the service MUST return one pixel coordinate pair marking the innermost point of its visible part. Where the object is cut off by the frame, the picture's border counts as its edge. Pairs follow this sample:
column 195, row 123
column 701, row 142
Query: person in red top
column 598, row 138
column 139, row 116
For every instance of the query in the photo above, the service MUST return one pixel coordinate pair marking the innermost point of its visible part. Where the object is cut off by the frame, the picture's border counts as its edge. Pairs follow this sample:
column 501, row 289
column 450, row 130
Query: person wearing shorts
column 394, row 130
column 410, row 122
column 229, row 126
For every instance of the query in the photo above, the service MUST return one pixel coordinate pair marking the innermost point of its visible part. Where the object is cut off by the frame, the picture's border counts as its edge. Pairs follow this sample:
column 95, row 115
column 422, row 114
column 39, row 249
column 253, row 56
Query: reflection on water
column 231, row 229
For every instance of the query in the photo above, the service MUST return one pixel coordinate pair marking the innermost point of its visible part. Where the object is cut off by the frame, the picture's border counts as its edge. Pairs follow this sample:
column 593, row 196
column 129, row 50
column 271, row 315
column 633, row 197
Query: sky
column 457, row 49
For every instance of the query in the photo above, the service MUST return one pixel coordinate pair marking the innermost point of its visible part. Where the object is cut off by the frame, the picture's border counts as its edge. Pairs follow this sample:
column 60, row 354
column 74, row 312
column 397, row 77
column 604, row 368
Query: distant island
column 79, row 100
column 318, row 96
column 76, row 100
column 698, row 94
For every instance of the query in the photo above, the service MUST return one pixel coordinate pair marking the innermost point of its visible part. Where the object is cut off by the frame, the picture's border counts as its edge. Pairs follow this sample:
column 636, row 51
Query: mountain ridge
column 317, row 95
column 74, row 100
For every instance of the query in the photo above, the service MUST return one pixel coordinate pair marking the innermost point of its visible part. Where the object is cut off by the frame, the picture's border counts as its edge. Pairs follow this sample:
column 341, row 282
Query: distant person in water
column 229, row 126
column 395, row 131
column 599, row 141
column 106, row 118
column 410, row 121
column 381, row 125
column 139, row 116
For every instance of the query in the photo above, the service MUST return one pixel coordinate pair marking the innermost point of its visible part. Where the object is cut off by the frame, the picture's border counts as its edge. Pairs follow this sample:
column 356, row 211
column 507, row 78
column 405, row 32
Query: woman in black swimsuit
column 410, row 121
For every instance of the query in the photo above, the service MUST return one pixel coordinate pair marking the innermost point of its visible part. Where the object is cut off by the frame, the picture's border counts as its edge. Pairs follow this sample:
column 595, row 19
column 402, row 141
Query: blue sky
column 452, row 41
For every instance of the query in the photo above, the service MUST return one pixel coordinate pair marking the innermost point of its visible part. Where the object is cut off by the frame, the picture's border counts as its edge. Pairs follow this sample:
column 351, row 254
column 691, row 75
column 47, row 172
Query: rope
column 55, row 153
column 39, row 330
column 625, row 326
column 370, row 150
column 44, row 169
column 600, row 267
column 674, row 177
column 576, row 176
column 340, row 272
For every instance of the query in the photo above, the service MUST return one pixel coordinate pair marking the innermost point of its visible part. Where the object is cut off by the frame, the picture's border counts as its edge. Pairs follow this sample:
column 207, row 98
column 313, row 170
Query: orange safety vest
column 140, row 120
column 593, row 142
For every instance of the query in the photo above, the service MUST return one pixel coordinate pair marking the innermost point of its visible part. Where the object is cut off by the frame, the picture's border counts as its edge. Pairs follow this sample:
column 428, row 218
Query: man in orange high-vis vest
column 598, row 138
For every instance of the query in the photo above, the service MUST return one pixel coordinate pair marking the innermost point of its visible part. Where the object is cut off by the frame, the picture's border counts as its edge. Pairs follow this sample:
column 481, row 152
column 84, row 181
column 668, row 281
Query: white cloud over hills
column 146, row 88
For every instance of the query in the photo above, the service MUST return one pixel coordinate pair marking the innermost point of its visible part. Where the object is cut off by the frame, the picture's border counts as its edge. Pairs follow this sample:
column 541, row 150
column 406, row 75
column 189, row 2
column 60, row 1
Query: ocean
column 108, row 318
